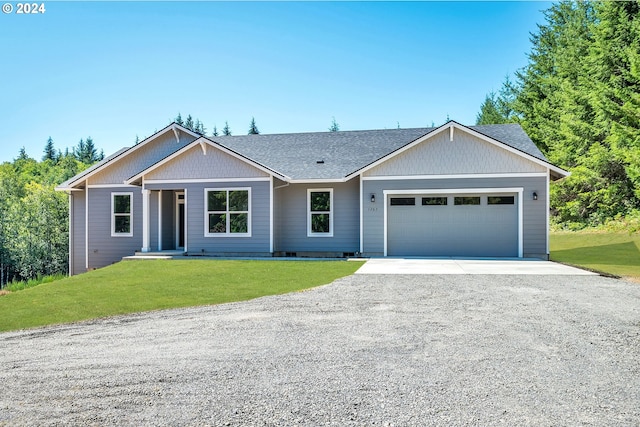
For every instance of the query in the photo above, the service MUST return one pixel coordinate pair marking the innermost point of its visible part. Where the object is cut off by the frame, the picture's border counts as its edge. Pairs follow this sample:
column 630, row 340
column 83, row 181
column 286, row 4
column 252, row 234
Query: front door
column 180, row 221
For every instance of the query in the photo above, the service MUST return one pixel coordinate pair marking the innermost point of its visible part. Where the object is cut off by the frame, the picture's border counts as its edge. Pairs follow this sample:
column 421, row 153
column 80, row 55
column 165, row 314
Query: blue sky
column 117, row 70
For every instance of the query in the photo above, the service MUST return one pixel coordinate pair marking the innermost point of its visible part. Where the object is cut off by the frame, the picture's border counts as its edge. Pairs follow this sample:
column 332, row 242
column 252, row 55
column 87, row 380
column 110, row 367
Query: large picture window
column 227, row 212
column 121, row 214
column 320, row 216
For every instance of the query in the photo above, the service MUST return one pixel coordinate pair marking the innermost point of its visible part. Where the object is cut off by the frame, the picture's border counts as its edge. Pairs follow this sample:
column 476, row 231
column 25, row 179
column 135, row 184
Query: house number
column 373, row 209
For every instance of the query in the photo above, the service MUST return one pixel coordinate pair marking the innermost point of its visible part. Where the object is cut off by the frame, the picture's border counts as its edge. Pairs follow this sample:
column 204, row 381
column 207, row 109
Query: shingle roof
column 296, row 154
column 336, row 155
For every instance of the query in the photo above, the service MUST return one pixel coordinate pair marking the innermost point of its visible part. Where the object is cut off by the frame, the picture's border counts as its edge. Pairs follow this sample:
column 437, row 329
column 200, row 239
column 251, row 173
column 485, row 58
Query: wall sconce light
column 535, row 195
column 373, row 198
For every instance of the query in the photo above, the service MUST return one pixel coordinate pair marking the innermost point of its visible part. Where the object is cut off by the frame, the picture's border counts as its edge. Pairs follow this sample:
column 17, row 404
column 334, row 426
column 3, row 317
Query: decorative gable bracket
column 203, row 145
column 451, row 133
column 177, row 135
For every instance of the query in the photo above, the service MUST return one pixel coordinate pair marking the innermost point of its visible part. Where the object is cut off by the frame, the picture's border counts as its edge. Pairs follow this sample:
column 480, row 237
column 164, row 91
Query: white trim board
column 127, row 151
column 206, row 180
column 202, row 141
column 451, row 125
column 518, row 190
column 456, row 176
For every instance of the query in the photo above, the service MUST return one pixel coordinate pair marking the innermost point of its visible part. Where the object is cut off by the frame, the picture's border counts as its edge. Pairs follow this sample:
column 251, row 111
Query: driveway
column 405, row 350
column 468, row 266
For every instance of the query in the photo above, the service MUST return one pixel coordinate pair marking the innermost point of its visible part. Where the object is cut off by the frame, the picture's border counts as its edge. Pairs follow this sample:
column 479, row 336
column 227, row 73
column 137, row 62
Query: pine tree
column 253, row 129
column 49, row 151
column 22, row 154
column 335, row 127
column 189, row 122
column 215, row 131
column 489, row 112
column 226, row 130
column 178, row 120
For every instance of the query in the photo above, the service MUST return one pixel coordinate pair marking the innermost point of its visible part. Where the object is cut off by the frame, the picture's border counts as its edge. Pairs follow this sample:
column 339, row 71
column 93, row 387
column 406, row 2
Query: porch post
column 146, row 194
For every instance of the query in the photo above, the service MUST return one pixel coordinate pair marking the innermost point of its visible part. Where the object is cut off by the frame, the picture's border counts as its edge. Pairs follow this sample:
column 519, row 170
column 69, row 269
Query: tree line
column 579, row 100
column 197, row 126
column 34, row 219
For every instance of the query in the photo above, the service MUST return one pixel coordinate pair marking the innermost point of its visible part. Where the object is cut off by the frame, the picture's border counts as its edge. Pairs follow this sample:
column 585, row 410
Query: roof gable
column 203, row 159
column 127, row 161
column 465, row 154
column 524, row 147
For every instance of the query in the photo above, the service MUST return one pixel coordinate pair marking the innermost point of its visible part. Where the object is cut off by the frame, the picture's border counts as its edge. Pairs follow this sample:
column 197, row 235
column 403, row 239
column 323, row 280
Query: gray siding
column 198, row 243
column 534, row 212
column 77, row 230
column 195, row 164
column 124, row 168
column 291, row 225
column 465, row 154
column 104, row 249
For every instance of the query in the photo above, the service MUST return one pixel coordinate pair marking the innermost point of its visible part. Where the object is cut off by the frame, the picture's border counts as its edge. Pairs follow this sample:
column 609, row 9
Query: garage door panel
column 453, row 230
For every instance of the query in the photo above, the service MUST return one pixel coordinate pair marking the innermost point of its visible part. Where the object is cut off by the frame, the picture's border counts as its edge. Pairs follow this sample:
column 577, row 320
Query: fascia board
column 456, row 125
column 126, row 152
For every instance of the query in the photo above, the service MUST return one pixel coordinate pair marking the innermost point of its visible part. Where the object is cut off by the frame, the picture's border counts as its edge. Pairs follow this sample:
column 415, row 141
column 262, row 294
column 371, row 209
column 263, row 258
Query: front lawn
column 613, row 253
column 135, row 286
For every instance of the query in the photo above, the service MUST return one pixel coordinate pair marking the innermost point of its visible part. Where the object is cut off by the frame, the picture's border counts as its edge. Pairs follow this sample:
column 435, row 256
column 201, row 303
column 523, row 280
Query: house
column 452, row 190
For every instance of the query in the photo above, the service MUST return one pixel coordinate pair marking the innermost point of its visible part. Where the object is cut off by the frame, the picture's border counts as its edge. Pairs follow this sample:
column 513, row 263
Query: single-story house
column 452, row 190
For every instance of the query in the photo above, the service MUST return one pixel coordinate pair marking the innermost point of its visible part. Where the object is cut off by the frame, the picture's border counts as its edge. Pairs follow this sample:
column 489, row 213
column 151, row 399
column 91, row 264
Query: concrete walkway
column 467, row 266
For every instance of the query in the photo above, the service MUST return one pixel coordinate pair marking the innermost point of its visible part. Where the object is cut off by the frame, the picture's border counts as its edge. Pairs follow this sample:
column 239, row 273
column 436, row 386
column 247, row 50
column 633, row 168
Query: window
column 403, row 201
column 121, row 224
column 434, row 201
column 466, row 200
column 227, row 212
column 320, row 217
column 501, row 200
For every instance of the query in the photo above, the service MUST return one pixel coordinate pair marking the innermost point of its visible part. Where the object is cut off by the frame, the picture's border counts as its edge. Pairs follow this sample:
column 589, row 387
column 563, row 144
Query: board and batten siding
column 466, row 154
column 534, row 211
column 103, row 248
column 291, row 219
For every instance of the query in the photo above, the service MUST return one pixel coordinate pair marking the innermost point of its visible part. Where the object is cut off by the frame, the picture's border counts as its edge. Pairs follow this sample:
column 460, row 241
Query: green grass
column 26, row 284
column 612, row 253
column 136, row 286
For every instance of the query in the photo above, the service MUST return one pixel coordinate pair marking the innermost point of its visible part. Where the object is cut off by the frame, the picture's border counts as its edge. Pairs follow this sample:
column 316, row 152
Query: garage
column 465, row 223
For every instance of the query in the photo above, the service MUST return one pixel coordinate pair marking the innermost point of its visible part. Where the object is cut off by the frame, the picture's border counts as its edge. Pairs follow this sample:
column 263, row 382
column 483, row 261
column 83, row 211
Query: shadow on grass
column 617, row 254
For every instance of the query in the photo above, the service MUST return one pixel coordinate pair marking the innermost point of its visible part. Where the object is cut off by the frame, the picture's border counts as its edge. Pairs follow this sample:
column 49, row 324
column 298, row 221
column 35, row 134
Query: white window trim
column 206, row 213
column 330, row 212
column 113, row 214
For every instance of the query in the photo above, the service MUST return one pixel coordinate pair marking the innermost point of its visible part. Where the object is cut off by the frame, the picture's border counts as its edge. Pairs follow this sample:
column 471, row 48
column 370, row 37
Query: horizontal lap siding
column 78, row 262
column 104, row 249
column 195, row 209
column 534, row 212
column 291, row 202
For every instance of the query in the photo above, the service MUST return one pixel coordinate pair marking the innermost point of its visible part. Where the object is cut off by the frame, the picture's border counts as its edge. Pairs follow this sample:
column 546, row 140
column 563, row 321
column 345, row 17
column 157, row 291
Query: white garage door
column 473, row 225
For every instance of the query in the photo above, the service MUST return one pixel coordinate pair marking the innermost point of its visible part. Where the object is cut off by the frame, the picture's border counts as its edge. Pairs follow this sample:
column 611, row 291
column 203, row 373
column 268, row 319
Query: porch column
column 146, row 232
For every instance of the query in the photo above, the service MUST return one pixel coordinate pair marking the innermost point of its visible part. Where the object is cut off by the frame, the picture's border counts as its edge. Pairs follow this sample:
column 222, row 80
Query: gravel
column 364, row 350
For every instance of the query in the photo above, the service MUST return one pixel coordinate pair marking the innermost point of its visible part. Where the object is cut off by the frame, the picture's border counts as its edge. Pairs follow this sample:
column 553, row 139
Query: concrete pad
column 468, row 266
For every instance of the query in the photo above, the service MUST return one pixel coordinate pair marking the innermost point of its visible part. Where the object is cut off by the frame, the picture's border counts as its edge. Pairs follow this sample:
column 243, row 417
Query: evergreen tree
column 189, row 122
column 215, row 131
column 253, row 129
column 226, row 130
column 178, row 120
column 489, row 113
column 22, row 154
column 335, row 127
column 87, row 153
column 49, row 151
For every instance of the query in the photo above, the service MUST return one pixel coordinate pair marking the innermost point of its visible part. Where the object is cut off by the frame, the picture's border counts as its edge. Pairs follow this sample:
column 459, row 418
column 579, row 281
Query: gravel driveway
column 365, row 350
